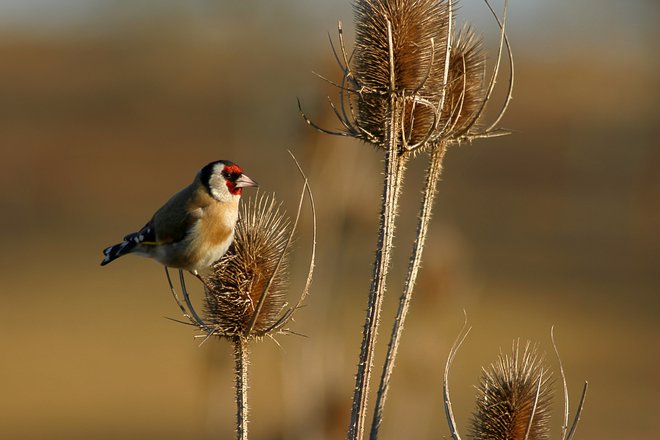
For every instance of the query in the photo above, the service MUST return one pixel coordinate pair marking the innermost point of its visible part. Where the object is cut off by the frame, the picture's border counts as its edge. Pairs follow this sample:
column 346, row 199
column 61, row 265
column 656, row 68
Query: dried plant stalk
column 394, row 167
column 396, row 78
column 241, row 360
column 430, row 98
column 465, row 92
column 430, row 189
column 464, row 98
column 409, row 86
column 513, row 401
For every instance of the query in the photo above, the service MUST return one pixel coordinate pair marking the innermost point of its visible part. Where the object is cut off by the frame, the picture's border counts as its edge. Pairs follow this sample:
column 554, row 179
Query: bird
column 195, row 227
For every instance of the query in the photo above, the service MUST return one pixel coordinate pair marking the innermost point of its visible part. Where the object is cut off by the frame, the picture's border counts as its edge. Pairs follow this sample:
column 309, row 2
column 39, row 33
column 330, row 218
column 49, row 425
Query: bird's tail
column 113, row 252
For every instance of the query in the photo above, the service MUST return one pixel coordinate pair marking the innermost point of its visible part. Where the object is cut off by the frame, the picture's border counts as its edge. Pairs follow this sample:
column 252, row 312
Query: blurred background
column 109, row 106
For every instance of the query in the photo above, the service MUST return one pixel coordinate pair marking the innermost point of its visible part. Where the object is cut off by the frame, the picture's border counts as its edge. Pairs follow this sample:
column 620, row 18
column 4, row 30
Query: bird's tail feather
column 113, row 252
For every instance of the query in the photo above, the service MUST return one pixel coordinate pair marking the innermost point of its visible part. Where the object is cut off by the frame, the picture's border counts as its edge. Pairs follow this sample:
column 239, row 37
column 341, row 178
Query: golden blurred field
column 555, row 225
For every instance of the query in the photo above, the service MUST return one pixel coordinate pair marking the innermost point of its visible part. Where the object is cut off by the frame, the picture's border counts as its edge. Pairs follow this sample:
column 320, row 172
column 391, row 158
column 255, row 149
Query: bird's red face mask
column 236, row 180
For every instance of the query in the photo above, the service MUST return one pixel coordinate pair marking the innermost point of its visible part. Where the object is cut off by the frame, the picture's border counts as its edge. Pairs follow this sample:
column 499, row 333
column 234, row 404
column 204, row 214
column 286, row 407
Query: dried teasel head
column 411, row 68
column 513, row 401
column 246, row 292
column 399, row 48
column 466, row 86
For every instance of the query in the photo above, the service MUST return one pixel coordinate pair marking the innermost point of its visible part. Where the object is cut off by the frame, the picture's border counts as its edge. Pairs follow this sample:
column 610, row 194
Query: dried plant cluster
column 410, row 67
column 417, row 32
column 411, row 84
column 513, row 398
column 252, row 272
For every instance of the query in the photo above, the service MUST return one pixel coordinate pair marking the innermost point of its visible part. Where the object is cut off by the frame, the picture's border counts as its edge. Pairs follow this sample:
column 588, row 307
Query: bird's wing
column 171, row 223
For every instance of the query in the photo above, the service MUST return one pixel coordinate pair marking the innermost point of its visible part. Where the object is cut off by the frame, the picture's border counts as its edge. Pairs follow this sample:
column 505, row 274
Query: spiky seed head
column 419, row 43
column 465, row 83
column 507, row 403
column 240, row 277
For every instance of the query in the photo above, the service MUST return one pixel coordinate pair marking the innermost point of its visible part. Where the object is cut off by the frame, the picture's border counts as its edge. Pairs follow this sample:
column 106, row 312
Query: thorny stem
column 240, row 371
column 394, row 166
column 432, row 177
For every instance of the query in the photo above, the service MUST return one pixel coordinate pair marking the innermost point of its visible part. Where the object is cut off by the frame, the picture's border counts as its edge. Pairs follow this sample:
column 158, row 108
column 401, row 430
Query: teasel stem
column 430, row 190
column 567, row 434
column 394, row 168
column 241, row 377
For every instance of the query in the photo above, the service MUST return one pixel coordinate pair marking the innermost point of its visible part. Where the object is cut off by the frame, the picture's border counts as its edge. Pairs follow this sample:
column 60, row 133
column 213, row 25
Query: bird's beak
column 245, row 182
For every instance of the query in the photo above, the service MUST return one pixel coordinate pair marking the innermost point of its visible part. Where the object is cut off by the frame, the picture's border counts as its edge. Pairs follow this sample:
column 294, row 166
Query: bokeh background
column 109, row 106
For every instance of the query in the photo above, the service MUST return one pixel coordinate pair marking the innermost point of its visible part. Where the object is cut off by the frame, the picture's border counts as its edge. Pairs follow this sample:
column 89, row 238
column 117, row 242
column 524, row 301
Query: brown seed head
column 466, row 89
column 513, row 398
column 240, row 278
column 419, row 42
column 411, row 75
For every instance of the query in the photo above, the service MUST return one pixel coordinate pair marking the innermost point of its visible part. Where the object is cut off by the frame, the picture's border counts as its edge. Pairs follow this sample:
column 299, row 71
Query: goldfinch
column 196, row 226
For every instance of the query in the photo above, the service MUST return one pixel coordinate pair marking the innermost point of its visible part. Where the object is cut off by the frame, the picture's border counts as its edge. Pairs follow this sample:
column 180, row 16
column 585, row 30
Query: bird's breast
column 213, row 234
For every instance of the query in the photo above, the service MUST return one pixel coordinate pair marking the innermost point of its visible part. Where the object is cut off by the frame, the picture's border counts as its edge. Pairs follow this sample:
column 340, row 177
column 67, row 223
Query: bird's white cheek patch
column 218, row 187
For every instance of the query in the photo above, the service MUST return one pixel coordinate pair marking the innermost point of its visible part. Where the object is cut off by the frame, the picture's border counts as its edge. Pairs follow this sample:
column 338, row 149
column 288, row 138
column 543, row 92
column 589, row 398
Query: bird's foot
column 203, row 280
